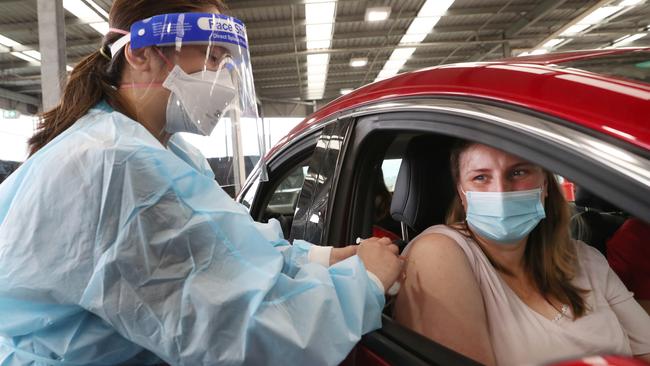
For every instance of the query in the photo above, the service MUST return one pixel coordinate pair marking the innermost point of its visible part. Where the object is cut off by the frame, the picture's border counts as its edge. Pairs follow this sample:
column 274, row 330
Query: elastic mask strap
column 169, row 63
column 140, row 85
column 148, row 85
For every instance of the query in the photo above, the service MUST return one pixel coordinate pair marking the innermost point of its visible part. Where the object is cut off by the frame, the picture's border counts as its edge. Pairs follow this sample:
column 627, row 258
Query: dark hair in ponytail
column 97, row 76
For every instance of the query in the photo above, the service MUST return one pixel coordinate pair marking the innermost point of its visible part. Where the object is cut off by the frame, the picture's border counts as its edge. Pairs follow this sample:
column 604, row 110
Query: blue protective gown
column 117, row 250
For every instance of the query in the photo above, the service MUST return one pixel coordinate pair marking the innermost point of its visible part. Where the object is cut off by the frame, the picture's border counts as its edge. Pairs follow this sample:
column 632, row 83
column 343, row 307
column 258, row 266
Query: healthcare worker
column 118, row 247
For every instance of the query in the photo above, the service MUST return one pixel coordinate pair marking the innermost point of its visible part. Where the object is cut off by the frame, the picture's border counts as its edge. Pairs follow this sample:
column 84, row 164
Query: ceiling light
column 589, row 20
column 402, row 53
column 319, row 36
column 552, row 43
column 600, row 14
column 630, row 2
column 25, row 57
column 345, row 91
column 8, row 42
column 539, row 51
column 575, row 29
column 317, row 65
column 84, row 12
column 628, row 39
column 319, row 25
column 419, row 30
column 97, row 8
column 33, row 54
column 377, row 14
column 427, row 18
column 358, row 61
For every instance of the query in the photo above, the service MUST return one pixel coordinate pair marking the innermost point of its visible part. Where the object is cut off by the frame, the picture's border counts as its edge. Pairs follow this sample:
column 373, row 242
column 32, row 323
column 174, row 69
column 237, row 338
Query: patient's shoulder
column 441, row 241
column 437, row 252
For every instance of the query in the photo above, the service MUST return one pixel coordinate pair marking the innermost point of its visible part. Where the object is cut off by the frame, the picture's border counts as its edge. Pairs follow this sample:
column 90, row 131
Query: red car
column 376, row 158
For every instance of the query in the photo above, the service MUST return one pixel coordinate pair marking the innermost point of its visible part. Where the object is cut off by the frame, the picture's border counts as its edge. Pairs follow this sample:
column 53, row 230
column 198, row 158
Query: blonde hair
column 550, row 255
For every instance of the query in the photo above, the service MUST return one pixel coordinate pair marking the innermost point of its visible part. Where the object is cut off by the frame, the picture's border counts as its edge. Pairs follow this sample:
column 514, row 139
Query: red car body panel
column 609, row 105
column 604, row 361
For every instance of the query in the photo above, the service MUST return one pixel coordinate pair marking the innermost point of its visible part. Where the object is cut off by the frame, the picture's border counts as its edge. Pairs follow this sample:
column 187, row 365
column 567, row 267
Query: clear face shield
column 209, row 81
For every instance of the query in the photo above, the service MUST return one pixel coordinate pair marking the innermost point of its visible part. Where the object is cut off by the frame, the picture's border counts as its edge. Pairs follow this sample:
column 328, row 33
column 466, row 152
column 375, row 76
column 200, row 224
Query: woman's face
column 486, row 169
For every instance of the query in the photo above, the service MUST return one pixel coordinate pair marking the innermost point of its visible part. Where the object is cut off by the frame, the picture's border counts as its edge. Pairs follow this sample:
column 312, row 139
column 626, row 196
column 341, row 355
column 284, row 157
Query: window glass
column 284, row 199
column 282, row 202
column 390, row 169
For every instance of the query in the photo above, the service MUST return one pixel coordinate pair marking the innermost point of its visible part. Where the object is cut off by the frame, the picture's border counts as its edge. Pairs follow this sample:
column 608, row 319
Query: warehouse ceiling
column 469, row 30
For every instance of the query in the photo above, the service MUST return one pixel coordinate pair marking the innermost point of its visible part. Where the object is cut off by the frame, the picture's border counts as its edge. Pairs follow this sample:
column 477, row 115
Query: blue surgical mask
column 504, row 217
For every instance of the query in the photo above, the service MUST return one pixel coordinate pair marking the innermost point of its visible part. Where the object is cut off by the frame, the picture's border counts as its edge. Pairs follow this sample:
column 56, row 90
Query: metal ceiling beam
column 441, row 30
column 532, row 17
column 32, row 27
column 421, row 46
column 8, row 94
column 368, row 36
column 478, row 10
column 527, row 20
column 70, row 45
column 258, row 4
column 335, row 66
column 266, row 27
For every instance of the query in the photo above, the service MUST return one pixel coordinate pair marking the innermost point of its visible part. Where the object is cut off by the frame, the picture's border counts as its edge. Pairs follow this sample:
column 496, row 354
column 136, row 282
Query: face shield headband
column 199, row 100
column 186, row 29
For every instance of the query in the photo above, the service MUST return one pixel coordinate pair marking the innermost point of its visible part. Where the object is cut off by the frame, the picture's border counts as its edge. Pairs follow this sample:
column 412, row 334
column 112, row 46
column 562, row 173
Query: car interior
column 424, row 190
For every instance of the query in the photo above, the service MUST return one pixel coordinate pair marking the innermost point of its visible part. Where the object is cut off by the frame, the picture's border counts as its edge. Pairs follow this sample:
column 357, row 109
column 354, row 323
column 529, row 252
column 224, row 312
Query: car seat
column 596, row 220
column 424, row 188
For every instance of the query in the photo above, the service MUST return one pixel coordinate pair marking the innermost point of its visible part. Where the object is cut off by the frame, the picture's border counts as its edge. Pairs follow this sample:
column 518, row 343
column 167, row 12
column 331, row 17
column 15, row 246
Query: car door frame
column 258, row 192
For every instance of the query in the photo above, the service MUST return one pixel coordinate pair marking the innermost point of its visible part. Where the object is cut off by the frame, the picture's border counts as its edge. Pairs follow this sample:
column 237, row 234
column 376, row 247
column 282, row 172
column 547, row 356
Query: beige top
column 615, row 324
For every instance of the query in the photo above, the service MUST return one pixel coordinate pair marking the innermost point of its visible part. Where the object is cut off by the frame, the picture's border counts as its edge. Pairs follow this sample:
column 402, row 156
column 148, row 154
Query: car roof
column 614, row 106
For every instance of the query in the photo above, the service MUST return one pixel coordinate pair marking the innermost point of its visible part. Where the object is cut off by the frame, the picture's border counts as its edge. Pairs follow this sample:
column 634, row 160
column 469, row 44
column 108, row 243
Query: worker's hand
column 339, row 254
column 380, row 256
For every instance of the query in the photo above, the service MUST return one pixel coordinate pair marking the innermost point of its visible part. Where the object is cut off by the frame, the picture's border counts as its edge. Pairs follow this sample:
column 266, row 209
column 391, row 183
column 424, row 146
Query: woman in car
column 504, row 283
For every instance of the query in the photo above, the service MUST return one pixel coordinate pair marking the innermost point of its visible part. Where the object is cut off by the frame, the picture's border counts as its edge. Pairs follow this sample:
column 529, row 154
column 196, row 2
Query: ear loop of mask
column 148, row 85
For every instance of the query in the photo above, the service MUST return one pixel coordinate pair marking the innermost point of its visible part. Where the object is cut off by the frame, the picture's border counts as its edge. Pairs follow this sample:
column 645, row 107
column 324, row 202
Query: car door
column 604, row 166
column 300, row 179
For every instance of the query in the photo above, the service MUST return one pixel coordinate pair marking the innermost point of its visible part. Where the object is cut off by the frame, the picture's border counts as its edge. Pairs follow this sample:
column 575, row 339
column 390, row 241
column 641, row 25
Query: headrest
column 584, row 198
column 424, row 188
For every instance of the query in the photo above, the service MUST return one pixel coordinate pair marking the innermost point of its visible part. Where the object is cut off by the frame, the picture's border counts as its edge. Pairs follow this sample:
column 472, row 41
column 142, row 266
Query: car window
column 281, row 201
column 285, row 197
column 311, row 215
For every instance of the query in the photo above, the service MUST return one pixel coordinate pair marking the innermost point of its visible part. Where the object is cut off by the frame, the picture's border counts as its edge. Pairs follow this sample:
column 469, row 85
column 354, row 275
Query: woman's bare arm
column 441, row 299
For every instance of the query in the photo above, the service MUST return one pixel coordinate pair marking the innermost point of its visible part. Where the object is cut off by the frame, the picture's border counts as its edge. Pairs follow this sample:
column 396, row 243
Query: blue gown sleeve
column 295, row 255
column 183, row 271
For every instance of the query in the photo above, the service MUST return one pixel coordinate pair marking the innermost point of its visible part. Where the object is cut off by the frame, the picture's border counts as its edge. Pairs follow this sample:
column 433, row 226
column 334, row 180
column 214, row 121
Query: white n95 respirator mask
column 197, row 101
